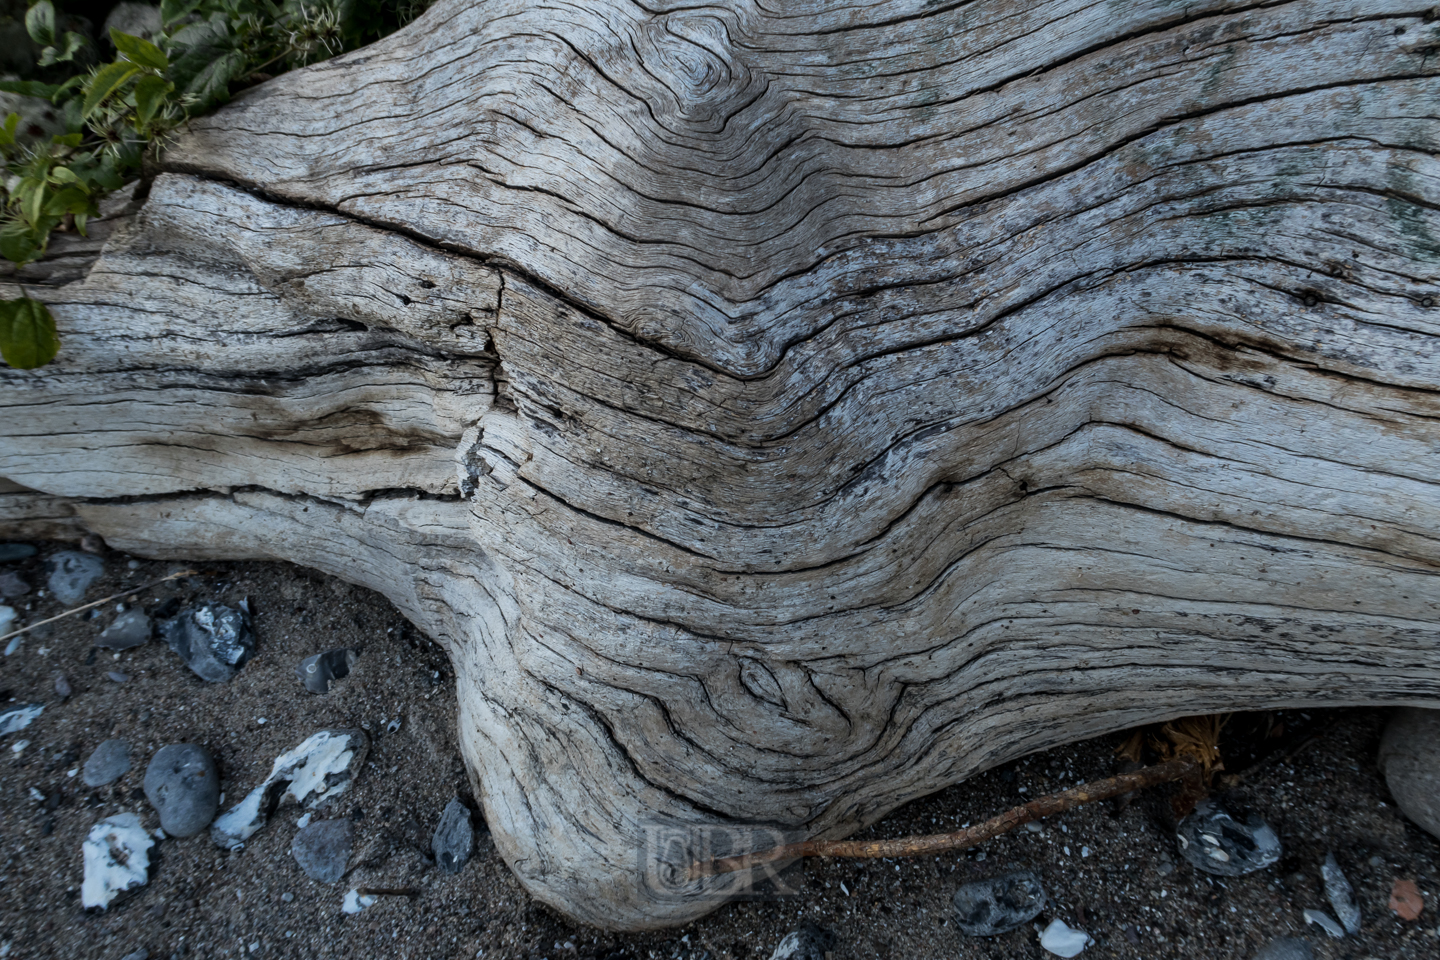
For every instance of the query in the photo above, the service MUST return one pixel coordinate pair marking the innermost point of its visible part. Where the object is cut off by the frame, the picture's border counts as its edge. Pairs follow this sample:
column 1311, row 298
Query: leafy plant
column 118, row 113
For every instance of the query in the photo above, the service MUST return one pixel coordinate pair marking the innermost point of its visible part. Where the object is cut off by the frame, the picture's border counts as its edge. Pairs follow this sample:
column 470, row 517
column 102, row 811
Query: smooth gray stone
column 109, row 762
column 322, row 849
column 12, row 586
column 454, row 838
column 141, row 954
column 71, row 574
column 214, row 640
column 182, row 785
column 1216, row 843
column 316, row 672
column 136, row 19
column 1410, row 760
column 986, row 908
column 1286, row 948
column 807, row 942
column 129, row 629
column 10, row 552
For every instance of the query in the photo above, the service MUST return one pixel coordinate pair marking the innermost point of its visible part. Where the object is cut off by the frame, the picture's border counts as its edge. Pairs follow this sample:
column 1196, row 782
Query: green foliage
column 27, row 333
column 118, row 113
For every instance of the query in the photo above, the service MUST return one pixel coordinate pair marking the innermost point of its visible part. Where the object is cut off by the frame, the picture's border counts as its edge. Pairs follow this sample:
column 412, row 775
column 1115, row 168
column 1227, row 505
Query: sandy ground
column 1317, row 785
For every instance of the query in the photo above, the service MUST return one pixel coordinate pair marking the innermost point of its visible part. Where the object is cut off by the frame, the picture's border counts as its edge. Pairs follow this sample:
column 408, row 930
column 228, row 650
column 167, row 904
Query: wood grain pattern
column 781, row 411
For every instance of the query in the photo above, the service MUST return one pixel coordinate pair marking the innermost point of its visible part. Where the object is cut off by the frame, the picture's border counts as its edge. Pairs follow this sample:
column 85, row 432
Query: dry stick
column 113, row 596
column 388, row 891
column 960, row 839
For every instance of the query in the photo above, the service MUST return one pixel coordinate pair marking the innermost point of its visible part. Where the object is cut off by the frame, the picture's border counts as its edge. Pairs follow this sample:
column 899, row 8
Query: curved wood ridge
column 784, row 410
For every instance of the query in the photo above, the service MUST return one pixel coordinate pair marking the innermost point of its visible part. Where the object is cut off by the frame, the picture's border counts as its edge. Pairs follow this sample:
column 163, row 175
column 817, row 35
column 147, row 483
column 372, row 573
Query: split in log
column 782, row 411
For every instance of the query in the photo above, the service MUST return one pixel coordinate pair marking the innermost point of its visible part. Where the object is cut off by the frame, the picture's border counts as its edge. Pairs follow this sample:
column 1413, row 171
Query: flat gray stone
column 129, row 629
column 987, row 908
column 1286, row 948
column 214, row 640
column 1410, row 760
column 322, row 849
column 12, row 586
column 316, row 672
column 109, row 762
column 454, row 838
column 71, row 574
column 183, row 786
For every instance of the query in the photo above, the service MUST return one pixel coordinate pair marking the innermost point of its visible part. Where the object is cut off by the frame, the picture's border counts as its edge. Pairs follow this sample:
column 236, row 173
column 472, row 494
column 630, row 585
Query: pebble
column 71, row 574
column 1286, row 948
column 117, row 676
column 316, row 672
column 1063, row 940
column 287, row 897
column 141, row 954
column 354, row 902
column 109, row 762
column 1410, row 760
column 12, row 586
column 117, row 858
column 454, row 838
column 10, row 552
column 182, row 785
column 8, row 619
column 986, row 908
column 62, row 686
column 214, row 640
column 18, row 718
column 1322, row 920
column 1340, row 894
column 322, row 849
column 1214, row 842
column 130, row 629
column 809, row 941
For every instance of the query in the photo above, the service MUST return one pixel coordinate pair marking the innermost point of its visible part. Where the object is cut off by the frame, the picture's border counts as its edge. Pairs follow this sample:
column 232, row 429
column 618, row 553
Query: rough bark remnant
column 781, row 411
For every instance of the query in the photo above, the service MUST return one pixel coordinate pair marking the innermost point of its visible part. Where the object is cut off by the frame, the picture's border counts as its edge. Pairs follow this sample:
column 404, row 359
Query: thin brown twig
column 387, row 891
column 113, row 596
column 1177, row 769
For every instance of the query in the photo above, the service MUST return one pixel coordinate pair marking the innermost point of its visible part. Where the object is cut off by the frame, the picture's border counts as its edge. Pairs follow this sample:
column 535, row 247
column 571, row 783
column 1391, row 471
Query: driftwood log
column 782, row 411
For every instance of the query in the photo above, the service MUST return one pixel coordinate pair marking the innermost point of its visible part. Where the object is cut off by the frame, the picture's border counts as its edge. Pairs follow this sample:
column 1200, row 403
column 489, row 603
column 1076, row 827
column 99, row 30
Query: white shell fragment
column 1063, row 941
column 355, row 902
column 1322, row 920
column 20, row 717
column 117, row 858
column 1340, row 894
column 316, row 770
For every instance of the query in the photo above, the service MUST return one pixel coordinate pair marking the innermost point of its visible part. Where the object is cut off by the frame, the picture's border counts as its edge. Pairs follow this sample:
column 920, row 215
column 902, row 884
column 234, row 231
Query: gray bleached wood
column 780, row 412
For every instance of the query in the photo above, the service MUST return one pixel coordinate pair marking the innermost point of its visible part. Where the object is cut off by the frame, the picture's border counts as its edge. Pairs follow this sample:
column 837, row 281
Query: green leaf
column 172, row 10
column 27, row 333
column 81, row 219
column 150, row 94
column 104, row 83
column 63, row 175
column 29, row 88
column 18, row 242
column 211, row 85
column 40, row 23
column 7, row 131
column 32, row 201
column 139, row 50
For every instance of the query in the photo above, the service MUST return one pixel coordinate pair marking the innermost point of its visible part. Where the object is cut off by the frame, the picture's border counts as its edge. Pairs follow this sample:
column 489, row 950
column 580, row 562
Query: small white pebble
column 844, row 888
column 71, row 773
column 36, row 795
column 115, row 656
column 19, row 745
column 259, row 719
column 1067, row 851
column 1084, row 851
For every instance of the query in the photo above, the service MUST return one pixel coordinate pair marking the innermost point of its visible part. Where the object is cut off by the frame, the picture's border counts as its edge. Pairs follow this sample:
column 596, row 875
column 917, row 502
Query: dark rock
column 1214, row 842
column 986, row 908
column 182, row 785
column 316, row 672
column 12, row 586
column 130, row 629
column 109, row 762
column 454, row 838
column 323, row 848
column 1286, row 948
column 1410, row 760
column 10, row 552
column 71, row 574
column 807, row 942
column 214, row 640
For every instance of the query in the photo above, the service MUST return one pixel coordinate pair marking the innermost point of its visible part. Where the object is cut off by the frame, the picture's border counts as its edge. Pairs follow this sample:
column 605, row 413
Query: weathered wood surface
column 783, row 411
